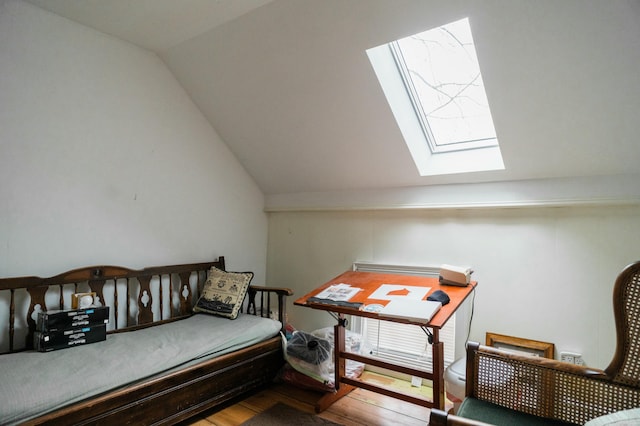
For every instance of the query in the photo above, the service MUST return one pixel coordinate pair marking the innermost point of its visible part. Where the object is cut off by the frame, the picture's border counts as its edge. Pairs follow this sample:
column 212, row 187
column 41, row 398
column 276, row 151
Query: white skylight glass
column 433, row 84
column 442, row 75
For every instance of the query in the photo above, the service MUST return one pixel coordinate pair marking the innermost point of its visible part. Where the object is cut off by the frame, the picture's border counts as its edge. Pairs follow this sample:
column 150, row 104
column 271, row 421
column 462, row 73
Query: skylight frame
column 428, row 163
column 413, row 93
column 421, row 115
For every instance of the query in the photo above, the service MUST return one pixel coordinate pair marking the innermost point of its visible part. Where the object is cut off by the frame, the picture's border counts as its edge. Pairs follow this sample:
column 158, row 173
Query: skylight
column 433, row 83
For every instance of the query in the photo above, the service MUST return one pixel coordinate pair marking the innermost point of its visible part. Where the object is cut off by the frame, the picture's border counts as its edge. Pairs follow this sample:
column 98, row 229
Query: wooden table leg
column 340, row 368
column 438, row 371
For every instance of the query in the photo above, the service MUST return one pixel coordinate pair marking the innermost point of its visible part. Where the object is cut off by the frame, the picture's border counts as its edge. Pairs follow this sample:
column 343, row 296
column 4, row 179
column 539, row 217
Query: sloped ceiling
column 153, row 24
column 289, row 87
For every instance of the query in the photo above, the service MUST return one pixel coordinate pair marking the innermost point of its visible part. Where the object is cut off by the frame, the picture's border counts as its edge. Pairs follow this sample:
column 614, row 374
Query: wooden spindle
column 161, row 304
column 98, row 287
column 185, row 287
column 37, row 298
column 12, row 319
column 61, row 299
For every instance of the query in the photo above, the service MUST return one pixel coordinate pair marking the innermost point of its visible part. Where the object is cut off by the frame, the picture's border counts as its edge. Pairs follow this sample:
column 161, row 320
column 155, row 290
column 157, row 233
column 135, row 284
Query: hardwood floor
column 360, row 407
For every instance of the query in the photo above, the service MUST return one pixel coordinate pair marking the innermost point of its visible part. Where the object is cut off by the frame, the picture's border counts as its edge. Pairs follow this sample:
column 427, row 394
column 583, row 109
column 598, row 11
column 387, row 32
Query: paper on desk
column 399, row 291
column 338, row 292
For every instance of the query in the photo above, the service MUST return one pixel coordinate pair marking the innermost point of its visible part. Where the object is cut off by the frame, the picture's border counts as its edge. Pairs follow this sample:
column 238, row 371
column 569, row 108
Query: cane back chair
column 501, row 385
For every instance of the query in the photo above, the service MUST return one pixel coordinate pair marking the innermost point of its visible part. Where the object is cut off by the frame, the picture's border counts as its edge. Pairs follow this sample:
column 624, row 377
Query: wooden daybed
column 151, row 300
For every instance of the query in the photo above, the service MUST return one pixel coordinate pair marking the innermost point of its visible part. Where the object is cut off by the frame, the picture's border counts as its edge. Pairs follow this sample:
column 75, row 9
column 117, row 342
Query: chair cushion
column 620, row 418
column 472, row 408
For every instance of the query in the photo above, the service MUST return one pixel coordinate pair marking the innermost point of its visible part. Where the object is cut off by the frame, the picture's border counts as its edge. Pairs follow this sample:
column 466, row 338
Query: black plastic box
column 51, row 341
column 62, row 320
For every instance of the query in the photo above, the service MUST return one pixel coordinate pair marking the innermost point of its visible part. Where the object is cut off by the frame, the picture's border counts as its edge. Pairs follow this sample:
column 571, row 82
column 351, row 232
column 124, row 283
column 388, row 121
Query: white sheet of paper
column 414, row 293
column 338, row 292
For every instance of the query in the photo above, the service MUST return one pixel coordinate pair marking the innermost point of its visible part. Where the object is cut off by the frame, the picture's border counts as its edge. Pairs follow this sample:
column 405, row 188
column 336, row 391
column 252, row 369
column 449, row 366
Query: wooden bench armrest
column 260, row 302
column 278, row 290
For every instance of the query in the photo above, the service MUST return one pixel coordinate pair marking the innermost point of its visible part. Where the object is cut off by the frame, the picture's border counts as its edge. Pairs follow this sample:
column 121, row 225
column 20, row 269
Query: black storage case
column 61, row 339
column 75, row 318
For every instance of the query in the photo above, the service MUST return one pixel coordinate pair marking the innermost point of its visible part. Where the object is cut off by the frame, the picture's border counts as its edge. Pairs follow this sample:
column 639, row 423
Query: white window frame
column 434, row 145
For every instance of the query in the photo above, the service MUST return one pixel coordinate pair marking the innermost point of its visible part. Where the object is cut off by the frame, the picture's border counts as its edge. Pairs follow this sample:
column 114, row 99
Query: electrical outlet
column 571, row 358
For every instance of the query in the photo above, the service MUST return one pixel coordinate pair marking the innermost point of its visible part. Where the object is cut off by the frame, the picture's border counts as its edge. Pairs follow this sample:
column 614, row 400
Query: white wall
column 104, row 159
column 543, row 273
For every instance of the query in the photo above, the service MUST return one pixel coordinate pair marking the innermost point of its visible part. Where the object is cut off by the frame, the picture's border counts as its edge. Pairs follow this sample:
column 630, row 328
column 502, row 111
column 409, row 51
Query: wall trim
column 558, row 192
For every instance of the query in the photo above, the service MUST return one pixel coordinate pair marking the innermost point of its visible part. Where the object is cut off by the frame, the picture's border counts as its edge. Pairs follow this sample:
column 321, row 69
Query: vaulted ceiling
column 288, row 86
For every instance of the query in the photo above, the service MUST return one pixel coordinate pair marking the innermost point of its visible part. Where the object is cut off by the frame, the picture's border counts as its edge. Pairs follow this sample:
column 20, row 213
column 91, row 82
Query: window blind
column 406, row 343
column 403, row 343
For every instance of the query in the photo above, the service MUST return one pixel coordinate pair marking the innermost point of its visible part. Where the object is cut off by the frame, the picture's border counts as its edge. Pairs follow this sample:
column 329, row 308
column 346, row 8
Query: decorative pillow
column 223, row 293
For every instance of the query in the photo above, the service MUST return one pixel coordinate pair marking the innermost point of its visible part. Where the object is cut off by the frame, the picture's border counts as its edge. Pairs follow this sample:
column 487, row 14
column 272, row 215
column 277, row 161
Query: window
column 406, row 344
column 433, row 84
column 403, row 343
column 441, row 73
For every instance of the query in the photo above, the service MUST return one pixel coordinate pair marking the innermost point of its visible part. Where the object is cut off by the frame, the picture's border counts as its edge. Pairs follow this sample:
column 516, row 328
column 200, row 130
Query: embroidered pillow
column 223, row 293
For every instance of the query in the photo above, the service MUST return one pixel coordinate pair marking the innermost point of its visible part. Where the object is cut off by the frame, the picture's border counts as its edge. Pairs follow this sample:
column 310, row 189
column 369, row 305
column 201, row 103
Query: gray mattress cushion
column 34, row 383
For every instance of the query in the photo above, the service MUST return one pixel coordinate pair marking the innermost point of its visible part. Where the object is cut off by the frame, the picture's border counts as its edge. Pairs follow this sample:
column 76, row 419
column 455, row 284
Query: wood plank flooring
column 358, row 408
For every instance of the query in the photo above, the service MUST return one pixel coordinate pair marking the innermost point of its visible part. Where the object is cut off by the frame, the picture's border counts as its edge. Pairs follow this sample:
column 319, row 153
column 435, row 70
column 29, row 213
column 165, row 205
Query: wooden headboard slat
column 160, row 298
column 37, row 299
column 145, row 301
column 12, row 319
column 185, row 287
column 95, row 285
